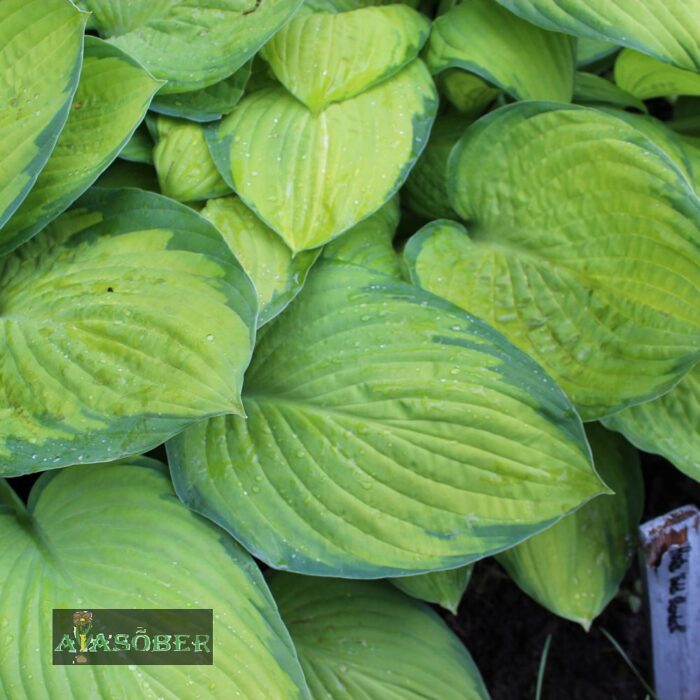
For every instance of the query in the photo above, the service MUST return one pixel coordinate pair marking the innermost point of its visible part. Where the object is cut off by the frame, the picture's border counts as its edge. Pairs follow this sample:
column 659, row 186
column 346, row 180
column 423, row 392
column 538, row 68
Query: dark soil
column 505, row 631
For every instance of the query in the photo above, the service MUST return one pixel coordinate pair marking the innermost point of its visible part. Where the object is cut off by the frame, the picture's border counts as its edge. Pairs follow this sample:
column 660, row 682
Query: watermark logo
column 133, row 636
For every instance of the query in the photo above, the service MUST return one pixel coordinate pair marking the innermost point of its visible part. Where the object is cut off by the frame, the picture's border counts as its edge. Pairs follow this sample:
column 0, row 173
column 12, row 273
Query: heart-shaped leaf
column 387, row 433
column 323, row 57
column 666, row 29
column 34, row 35
column 277, row 276
column 207, row 104
column 370, row 243
column 112, row 97
column 312, row 176
column 444, row 588
column 584, row 250
column 575, row 568
column 646, row 77
column 364, row 639
column 482, row 37
column 115, row 536
column 125, row 320
column 186, row 171
column 668, row 426
column 191, row 45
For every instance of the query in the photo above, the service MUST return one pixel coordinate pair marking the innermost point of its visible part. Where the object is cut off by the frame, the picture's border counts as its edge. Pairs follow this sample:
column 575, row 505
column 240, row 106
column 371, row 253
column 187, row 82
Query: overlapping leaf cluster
column 365, row 268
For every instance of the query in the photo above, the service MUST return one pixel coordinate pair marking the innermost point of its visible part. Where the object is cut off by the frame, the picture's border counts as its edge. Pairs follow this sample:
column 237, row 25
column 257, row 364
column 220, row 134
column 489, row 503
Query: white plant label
column 671, row 549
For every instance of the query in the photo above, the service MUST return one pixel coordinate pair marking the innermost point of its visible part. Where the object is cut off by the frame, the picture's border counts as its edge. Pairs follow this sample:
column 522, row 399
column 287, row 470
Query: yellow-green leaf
column 583, row 250
column 444, row 588
column 482, row 37
column 387, row 433
column 185, row 168
column 112, row 98
column 370, row 243
column 364, row 639
column 276, row 275
column 325, row 57
column 190, row 44
column 125, row 320
column 660, row 134
column 666, row 29
column 668, row 426
column 575, row 567
column 311, row 177
column 41, row 46
column 646, row 77
column 115, row 536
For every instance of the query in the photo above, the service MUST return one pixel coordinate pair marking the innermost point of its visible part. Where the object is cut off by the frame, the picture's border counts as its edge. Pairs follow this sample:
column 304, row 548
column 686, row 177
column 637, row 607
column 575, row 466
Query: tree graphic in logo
column 144, row 636
column 82, row 625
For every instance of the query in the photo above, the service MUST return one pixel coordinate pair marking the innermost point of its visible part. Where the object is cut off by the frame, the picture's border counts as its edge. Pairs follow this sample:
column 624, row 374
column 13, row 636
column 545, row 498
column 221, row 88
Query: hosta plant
column 392, row 287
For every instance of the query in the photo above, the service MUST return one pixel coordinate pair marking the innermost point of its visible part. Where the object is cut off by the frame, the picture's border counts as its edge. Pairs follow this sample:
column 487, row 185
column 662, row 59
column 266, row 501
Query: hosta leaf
column 312, row 176
column 659, row 134
column 590, row 51
column 125, row 320
column 370, row 243
column 668, row 426
column 115, row 536
column 276, row 275
column 575, row 567
column 425, row 191
column 469, row 93
column 322, row 57
column 445, row 588
column 666, row 29
column 139, row 148
column 124, row 174
column 387, row 433
column 646, row 77
column 112, row 97
column 186, row 171
column 527, row 62
column 364, row 639
column 583, row 250
column 36, row 36
column 592, row 89
column 208, row 103
column 191, row 45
